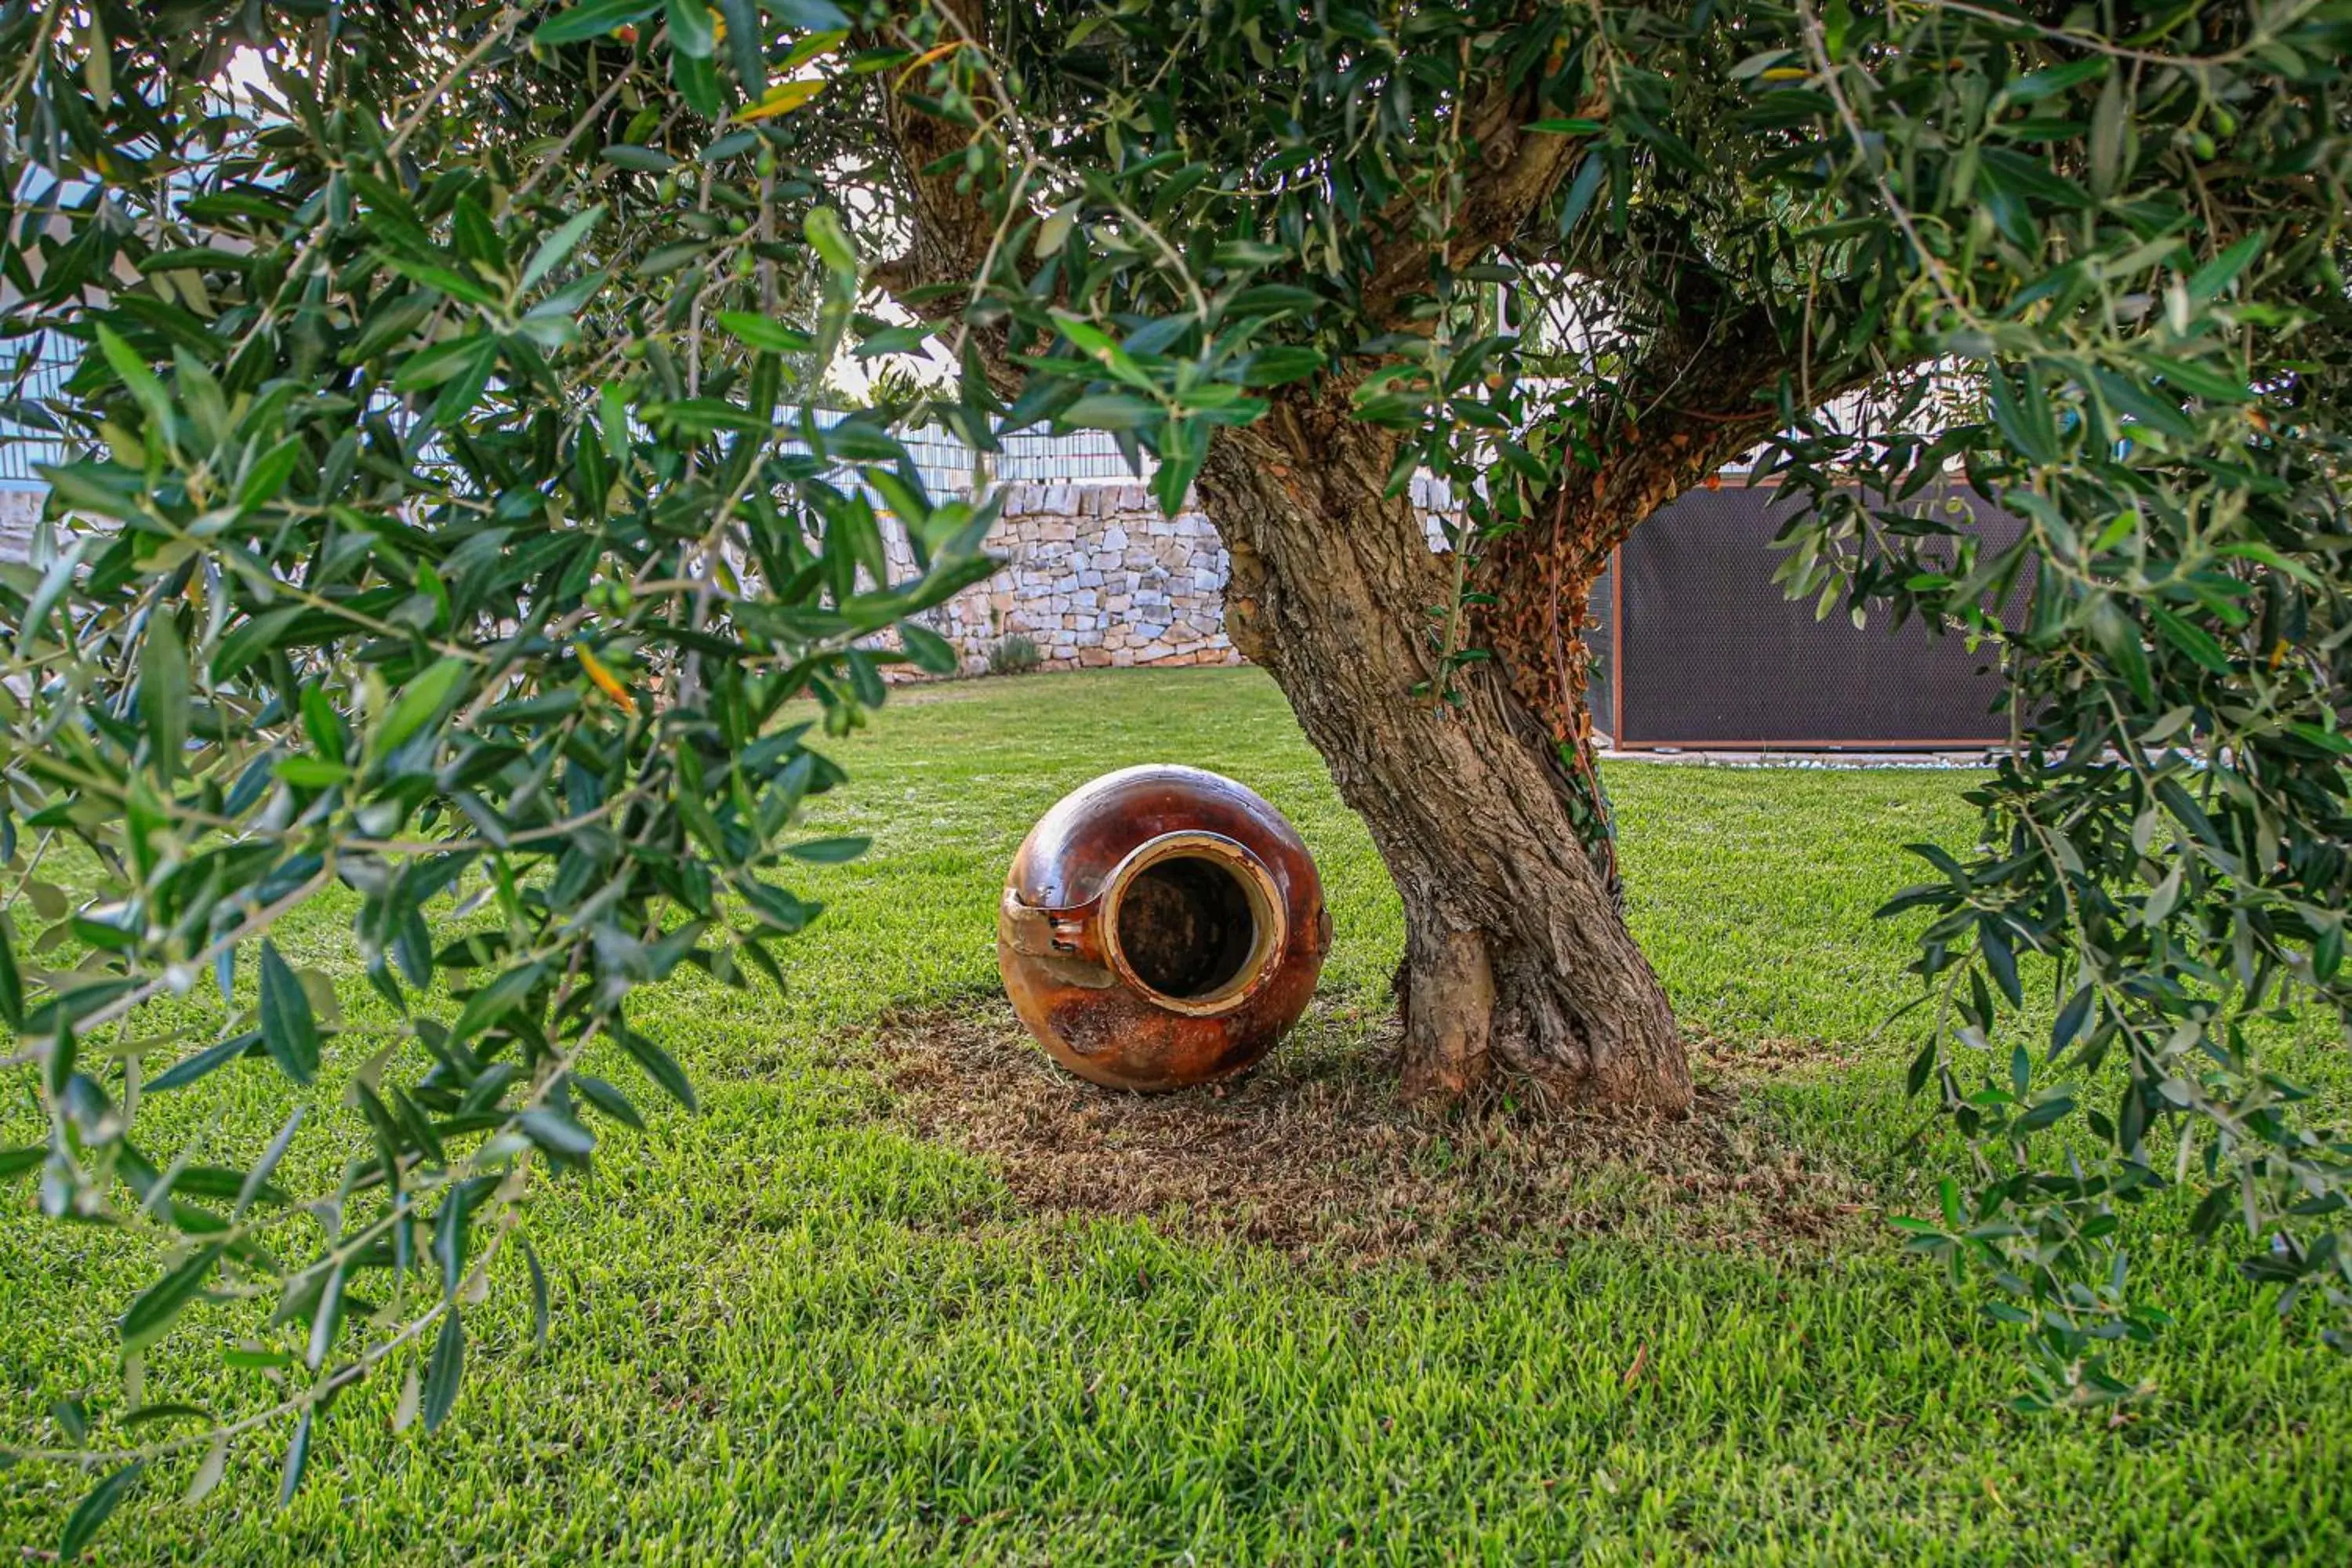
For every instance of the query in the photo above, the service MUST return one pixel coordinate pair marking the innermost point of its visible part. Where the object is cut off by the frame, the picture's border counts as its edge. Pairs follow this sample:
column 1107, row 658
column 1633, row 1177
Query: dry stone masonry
column 19, row 510
column 1097, row 575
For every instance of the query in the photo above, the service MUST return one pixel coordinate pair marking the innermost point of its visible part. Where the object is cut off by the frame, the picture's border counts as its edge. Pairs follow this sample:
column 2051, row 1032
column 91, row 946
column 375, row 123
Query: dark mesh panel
column 1713, row 653
column 1600, row 693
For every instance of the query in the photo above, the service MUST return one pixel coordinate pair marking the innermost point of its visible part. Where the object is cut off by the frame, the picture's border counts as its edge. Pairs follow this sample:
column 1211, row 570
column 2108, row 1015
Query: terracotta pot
column 1161, row 927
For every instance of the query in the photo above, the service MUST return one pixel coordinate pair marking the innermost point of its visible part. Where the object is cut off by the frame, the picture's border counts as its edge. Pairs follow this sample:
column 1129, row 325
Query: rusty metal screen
column 1601, row 636
column 1702, row 648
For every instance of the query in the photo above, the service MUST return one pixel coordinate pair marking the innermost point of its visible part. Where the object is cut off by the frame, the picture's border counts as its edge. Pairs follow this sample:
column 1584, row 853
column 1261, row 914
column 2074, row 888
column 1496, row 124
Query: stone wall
column 20, row 508
column 1096, row 576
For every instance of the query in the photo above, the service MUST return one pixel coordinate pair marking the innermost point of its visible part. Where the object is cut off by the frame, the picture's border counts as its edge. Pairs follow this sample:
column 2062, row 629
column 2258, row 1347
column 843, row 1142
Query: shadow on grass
column 1309, row 1154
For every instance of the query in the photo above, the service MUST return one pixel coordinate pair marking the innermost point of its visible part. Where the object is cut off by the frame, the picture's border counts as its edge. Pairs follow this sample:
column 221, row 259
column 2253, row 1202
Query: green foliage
column 2136, row 248
column 440, row 531
column 424, row 543
column 1014, row 655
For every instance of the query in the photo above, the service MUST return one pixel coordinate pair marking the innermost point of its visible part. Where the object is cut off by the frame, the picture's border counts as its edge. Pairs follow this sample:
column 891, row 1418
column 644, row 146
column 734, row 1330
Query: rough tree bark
column 1514, row 948
column 1518, row 955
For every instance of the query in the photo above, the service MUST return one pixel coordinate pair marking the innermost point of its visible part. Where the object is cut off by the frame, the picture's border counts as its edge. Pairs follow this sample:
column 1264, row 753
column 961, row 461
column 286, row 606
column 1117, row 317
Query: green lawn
column 790, row 1329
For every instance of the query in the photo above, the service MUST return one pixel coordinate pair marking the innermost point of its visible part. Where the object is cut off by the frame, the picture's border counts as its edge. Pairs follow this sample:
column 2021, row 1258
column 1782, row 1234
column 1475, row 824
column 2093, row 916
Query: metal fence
column 31, row 373
column 1702, row 648
column 949, row 465
column 946, row 463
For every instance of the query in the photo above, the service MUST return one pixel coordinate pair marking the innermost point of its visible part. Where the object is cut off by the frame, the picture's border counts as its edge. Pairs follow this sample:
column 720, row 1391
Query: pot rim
column 1268, row 916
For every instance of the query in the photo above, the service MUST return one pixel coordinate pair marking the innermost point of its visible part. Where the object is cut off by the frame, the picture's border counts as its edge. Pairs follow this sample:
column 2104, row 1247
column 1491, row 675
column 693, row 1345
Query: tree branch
column 1700, row 398
column 1514, row 174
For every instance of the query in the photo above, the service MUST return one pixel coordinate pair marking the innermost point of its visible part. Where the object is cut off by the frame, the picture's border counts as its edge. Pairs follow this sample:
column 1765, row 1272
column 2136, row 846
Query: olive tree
column 446, row 530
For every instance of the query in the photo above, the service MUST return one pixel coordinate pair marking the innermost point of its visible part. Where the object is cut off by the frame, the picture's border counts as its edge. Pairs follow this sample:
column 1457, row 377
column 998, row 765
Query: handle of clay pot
column 1069, row 933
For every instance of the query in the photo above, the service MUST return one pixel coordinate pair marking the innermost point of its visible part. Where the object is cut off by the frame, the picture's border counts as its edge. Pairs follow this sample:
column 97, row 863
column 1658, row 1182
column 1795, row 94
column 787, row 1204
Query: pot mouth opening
column 1193, row 921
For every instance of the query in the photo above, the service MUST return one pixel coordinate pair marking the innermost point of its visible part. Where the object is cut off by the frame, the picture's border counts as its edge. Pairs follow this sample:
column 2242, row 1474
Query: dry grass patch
column 1310, row 1154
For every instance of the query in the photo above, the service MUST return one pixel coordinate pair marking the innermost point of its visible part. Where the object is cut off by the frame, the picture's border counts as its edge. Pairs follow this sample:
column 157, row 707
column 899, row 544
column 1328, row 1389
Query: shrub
column 1014, row 655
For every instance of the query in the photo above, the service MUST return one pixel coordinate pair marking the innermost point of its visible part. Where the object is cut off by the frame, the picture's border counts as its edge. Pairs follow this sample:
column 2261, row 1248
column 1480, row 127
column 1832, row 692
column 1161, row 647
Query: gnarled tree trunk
column 1516, row 954
column 1486, row 809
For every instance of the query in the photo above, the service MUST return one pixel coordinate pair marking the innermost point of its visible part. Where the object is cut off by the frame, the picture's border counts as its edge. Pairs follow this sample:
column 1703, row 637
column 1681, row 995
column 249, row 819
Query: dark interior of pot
column 1186, row 927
